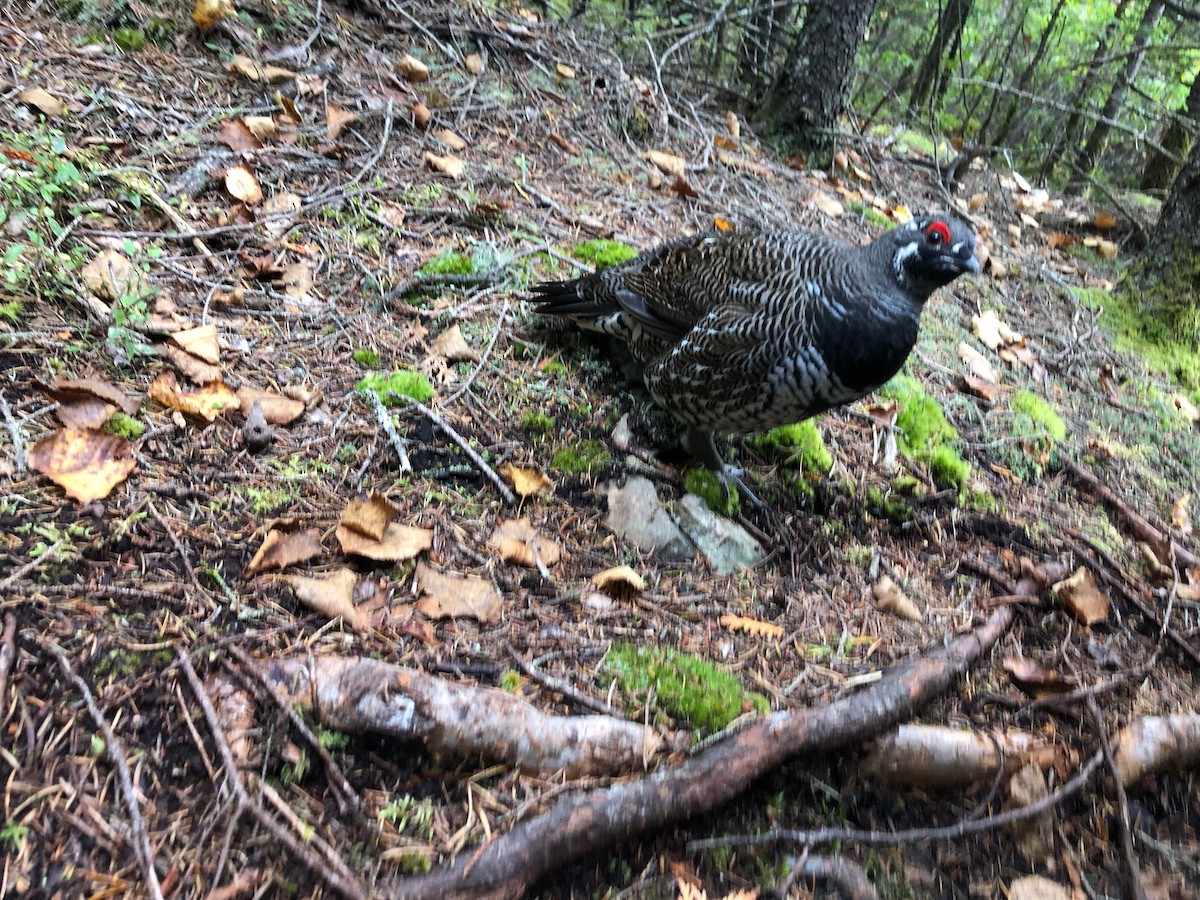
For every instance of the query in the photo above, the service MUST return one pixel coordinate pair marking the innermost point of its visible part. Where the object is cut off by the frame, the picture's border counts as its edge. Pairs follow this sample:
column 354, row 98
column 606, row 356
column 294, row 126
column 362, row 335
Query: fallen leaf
column 565, row 145
column 473, row 63
column 977, row 202
column 111, row 275
column 450, row 139
column 421, row 114
column 1034, row 678
column 734, row 126
column 370, row 516
column 1104, row 220
column 831, row 206
column 337, row 120
column 200, row 342
column 564, row 71
column 977, row 364
column 980, row 387
column 526, row 482
column 1107, row 250
column 619, row 581
column 517, row 541
column 331, row 596
column 277, row 409
column 667, row 163
column 722, row 224
column 242, row 185
column 450, row 596
column 1179, row 514
column 1035, row 887
column 297, row 281
column 751, row 626
column 195, row 370
column 890, row 599
column 207, row 402
column 451, row 345
column 42, row 101
column 412, row 68
column 85, row 463
column 399, row 542
column 68, row 390
column 237, row 136
column 450, row 166
column 1081, row 596
column 281, row 549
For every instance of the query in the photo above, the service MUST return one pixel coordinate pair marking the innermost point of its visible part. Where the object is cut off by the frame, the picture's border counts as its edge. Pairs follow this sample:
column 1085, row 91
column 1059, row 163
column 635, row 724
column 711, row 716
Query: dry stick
column 40, row 559
column 466, row 448
column 587, row 822
column 1133, row 878
column 555, row 684
column 14, row 432
column 849, row 876
column 187, row 563
column 384, row 418
column 329, row 868
column 954, row 832
column 138, row 834
column 483, row 360
column 8, row 652
column 1138, row 524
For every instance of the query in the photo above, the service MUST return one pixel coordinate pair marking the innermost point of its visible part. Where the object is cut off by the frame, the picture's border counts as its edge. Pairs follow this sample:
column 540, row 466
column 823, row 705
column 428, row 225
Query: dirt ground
column 111, row 605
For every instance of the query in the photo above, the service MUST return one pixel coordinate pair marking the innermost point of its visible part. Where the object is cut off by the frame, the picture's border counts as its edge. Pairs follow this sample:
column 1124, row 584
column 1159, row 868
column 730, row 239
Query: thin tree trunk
column 931, row 74
column 1170, row 266
column 803, row 107
column 1178, row 137
column 1001, row 75
column 1069, row 136
column 1023, row 83
column 1087, row 157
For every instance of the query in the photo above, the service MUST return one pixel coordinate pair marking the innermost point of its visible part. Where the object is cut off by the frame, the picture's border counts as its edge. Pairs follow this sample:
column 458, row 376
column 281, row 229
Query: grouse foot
column 702, row 444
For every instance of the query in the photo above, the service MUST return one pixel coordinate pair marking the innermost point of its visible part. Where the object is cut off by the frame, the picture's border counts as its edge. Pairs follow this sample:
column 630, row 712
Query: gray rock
column 726, row 545
column 635, row 513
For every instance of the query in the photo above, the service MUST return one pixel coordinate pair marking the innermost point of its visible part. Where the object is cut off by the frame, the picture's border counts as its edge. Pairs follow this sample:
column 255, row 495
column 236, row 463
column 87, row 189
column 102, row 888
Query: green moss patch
column 1036, row 418
column 125, row 426
column 537, row 422
column 449, row 262
column 603, row 254
column 799, row 443
column 585, row 456
column 924, row 434
column 707, row 485
column 684, row 686
column 392, row 385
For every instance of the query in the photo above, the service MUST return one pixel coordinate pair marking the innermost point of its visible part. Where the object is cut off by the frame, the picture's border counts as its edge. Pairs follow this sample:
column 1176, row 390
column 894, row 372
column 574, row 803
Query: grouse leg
column 702, row 444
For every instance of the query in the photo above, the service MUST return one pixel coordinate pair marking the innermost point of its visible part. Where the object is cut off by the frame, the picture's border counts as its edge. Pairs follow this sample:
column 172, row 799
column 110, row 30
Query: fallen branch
column 490, row 473
column 588, row 822
column 367, row 696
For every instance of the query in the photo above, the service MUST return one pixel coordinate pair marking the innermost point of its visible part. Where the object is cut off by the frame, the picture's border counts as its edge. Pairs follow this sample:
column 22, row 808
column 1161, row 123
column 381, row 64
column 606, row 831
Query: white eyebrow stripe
column 956, row 247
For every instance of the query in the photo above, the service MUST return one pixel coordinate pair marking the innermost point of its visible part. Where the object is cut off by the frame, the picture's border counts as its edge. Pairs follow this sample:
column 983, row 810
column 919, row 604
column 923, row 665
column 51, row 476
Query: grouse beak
column 971, row 264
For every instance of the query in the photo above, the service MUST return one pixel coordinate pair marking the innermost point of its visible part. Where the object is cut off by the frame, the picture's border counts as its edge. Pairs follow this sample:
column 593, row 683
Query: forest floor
column 142, row 623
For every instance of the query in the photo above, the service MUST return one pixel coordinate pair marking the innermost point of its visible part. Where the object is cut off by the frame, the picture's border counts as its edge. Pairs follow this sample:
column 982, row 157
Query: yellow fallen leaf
column 668, row 163
column 751, row 626
column 412, row 68
column 1081, row 596
column 87, row 464
column 564, row 71
column 207, row 402
column 242, row 185
column 526, row 482
column 450, row 139
column 369, row 516
column 200, row 342
column 448, row 165
column 281, row 549
column 619, row 581
column 277, row 409
column 831, row 206
column 400, row 542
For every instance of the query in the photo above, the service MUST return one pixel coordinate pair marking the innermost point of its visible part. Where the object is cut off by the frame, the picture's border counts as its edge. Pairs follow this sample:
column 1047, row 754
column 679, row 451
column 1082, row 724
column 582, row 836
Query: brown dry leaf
column 277, row 409
column 977, row 364
column 237, row 136
column 732, row 124
column 749, row 166
column 281, row 549
column 1081, row 596
column 681, row 187
column 207, row 13
column 977, row 202
column 1057, row 240
column 526, row 482
column 751, row 626
column 991, row 331
column 831, row 206
column 331, row 596
column 200, row 342
column 448, row 165
column 412, row 68
column 421, row 114
column 451, row 345
column 297, row 281
column 519, row 542
column 337, row 119
column 1035, row 887
column 619, row 581
column 448, row 596
column 1035, row 679
column 264, row 128
column 87, row 464
column 722, row 224
column 42, row 101
column 1021, row 183
column 1104, row 220
column 86, row 412
column 980, row 387
column 724, row 143
column 242, row 185
column 67, row 390
column 195, row 370
column 565, row 145
column 473, row 63
column 890, row 599
column 667, row 163
column 370, row 516
column 450, row 139
column 400, row 542
column 110, row 275
column 207, row 402
column 1179, row 514
column 1107, row 250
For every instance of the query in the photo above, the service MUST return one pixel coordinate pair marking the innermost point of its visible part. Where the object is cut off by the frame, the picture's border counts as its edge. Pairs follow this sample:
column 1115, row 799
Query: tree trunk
column 803, row 107
column 1086, row 159
column 1160, row 168
column 1168, row 282
column 1069, row 136
column 932, row 72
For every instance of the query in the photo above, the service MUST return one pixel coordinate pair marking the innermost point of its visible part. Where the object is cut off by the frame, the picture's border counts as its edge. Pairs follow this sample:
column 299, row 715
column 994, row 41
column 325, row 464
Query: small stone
column 726, row 545
column 635, row 513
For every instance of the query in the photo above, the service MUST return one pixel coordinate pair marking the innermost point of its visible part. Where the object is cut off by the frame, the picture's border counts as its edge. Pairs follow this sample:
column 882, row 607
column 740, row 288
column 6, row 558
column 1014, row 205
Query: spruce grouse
column 744, row 331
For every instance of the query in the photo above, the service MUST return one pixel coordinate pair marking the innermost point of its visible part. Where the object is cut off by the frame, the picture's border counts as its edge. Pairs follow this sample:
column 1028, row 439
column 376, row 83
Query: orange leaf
column 751, row 626
column 86, row 464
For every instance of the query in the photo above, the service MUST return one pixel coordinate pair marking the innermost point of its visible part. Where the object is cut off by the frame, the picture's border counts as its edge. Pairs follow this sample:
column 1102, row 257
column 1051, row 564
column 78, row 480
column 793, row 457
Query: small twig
column 183, row 556
column 1132, row 871
column 329, row 867
column 14, row 433
column 8, row 652
column 466, row 448
column 384, row 418
column 419, row 281
column 851, row 878
column 20, row 573
column 909, row 835
column 555, row 684
column 116, row 753
column 483, row 359
column 368, row 166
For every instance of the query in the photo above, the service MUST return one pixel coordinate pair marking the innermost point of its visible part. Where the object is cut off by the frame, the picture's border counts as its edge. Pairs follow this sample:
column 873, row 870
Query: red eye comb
column 941, row 229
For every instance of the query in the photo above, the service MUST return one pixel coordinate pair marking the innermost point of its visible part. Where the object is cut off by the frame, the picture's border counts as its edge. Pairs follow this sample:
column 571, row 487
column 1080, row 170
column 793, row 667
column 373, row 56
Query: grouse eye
column 938, row 233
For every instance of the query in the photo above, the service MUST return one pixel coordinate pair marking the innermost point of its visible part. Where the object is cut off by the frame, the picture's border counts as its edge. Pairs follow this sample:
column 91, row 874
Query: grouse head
column 929, row 252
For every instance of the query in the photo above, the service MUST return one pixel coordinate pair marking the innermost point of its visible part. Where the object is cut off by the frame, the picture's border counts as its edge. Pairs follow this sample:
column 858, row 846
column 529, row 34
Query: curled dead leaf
column 399, row 542
column 619, row 582
column 1081, row 596
column 200, row 342
column 667, row 163
column 87, row 464
column 331, row 596
column 451, row 345
column 890, row 599
column 242, row 185
column 450, row 139
column 369, row 516
column 448, row 165
column 830, row 206
column 42, row 101
column 526, row 482
column 276, row 408
column 281, row 549
column 412, row 68
column 207, row 402
column 518, row 541
column 446, row 595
